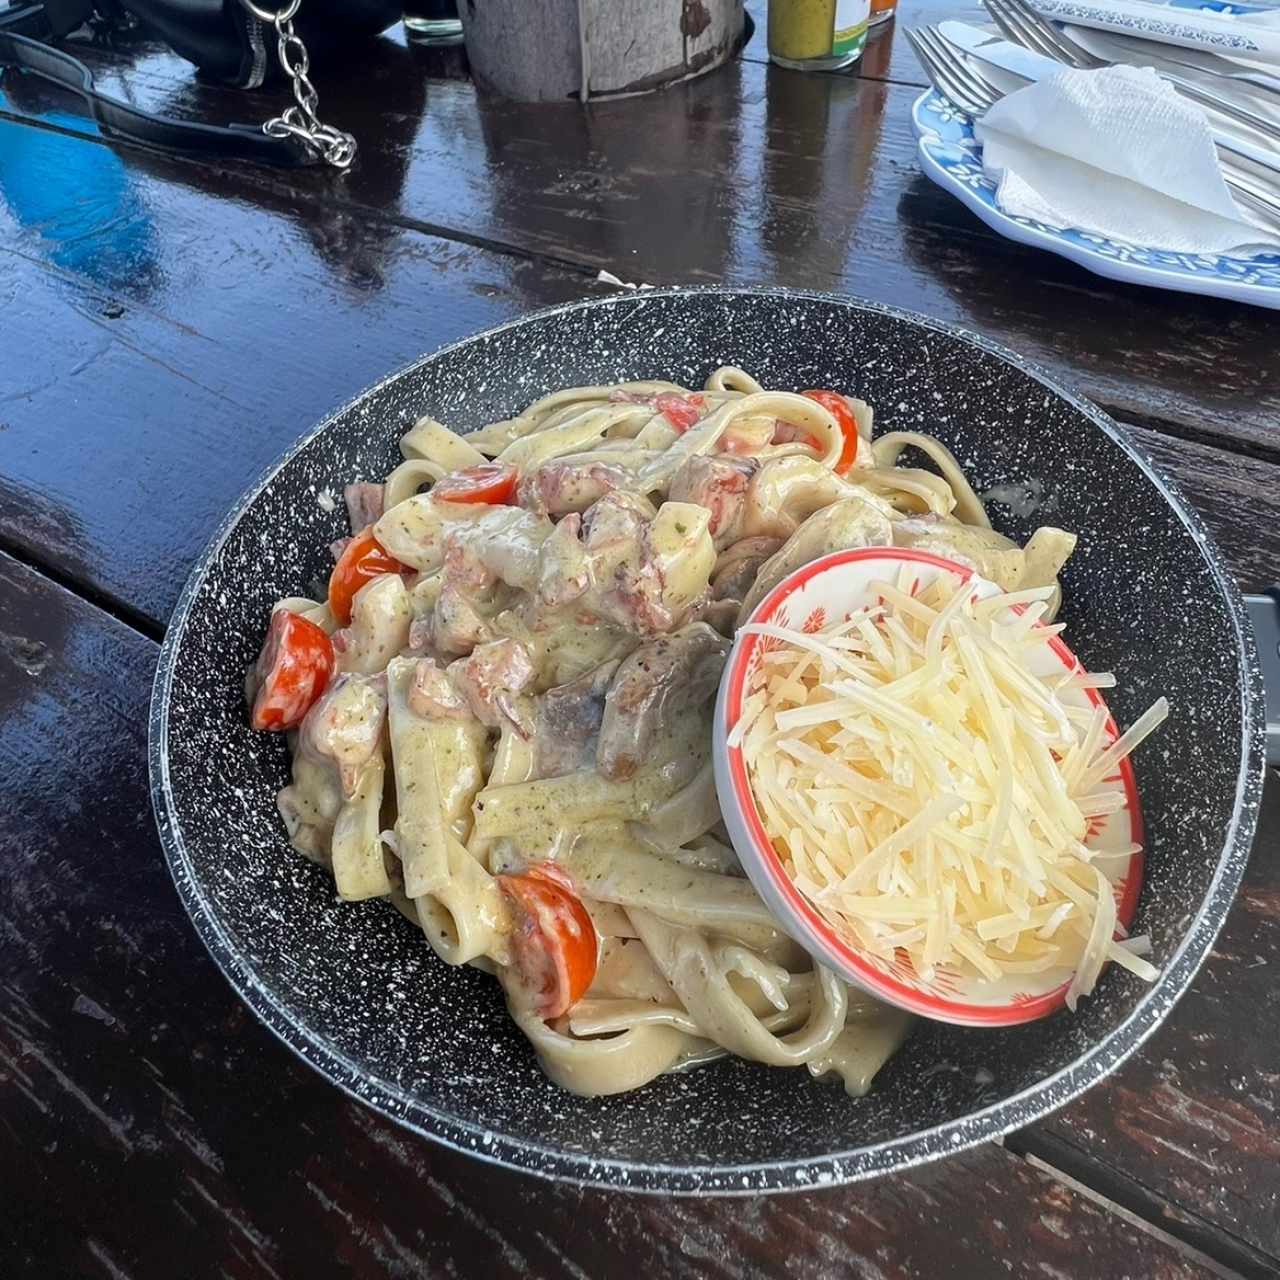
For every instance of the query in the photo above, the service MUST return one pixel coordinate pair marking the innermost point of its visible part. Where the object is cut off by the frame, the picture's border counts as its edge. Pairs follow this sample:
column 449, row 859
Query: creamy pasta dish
column 500, row 714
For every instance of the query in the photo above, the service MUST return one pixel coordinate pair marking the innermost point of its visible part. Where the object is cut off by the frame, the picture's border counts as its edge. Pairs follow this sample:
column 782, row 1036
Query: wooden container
column 548, row 50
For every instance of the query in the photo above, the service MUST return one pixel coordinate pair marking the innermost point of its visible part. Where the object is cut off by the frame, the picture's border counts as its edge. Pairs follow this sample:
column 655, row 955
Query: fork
column 962, row 85
column 1023, row 25
column 965, row 87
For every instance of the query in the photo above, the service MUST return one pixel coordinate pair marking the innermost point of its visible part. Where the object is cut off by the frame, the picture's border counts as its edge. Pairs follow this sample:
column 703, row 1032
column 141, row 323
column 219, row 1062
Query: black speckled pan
column 355, row 990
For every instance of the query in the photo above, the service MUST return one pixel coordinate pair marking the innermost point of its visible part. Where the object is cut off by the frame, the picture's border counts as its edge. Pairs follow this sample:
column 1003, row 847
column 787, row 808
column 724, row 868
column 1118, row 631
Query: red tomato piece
column 838, row 407
column 293, row 669
column 363, row 559
column 681, row 411
column 554, row 941
column 490, row 482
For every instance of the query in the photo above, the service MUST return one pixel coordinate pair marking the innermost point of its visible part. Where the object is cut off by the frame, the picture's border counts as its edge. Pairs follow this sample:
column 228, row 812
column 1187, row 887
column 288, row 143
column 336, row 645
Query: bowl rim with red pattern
column 948, row 997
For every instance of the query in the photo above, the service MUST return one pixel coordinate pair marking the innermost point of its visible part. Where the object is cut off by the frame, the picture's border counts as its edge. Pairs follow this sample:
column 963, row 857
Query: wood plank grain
column 164, row 1132
column 751, row 174
column 163, row 346
column 1236, row 496
column 1196, row 1113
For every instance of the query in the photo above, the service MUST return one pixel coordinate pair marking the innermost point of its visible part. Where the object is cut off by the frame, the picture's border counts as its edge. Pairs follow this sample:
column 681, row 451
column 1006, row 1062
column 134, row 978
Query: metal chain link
column 301, row 121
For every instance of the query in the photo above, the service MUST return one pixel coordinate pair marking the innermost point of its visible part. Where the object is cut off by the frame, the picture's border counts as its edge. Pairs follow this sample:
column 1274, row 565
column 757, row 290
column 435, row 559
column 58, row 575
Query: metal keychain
column 300, row 121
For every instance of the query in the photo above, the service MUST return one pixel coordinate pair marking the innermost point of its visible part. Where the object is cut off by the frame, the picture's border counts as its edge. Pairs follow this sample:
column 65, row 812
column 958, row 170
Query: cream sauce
column 690, row 963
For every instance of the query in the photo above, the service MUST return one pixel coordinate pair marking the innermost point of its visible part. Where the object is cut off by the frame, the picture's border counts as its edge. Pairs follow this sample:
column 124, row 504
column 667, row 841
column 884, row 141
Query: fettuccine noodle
column 514, row 746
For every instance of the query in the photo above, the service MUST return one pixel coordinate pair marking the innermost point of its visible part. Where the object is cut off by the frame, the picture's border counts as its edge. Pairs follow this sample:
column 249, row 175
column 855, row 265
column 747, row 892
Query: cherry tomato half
column 363, row 559
column 838, row 407
column 554, row 941
column 293, row 669
column 681, row 411
column 491, row 482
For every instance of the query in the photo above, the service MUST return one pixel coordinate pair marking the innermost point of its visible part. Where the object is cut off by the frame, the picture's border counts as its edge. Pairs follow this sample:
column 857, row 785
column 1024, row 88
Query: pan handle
column 1264, row 612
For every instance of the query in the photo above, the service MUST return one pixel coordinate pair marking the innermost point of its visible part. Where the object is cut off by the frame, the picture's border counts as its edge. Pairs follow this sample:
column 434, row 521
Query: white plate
column 952, row 157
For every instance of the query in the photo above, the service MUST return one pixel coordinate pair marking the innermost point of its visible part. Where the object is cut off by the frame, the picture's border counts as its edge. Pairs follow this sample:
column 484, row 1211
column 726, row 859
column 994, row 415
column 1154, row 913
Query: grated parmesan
column 926, row 789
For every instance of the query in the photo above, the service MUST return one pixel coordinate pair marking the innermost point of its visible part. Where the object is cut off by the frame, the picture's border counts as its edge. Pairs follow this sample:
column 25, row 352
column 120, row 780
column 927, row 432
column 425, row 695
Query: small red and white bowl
column 810, row 599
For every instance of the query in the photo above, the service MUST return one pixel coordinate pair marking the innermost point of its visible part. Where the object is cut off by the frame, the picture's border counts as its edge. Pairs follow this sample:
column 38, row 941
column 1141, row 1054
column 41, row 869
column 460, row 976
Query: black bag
column 235, row 42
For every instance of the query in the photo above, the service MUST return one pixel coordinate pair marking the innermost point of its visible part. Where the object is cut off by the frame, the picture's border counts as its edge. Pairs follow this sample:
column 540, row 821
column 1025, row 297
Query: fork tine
column 1067, row 49
column 975, row 83
column 1059, row 45
column 1014, row 24
column 1046, row 26
column 941, row 80
column 941, row 74
column 1010, row 32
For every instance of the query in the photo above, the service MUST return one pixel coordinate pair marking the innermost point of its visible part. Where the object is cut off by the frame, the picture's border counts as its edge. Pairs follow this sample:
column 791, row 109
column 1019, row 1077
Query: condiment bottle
column 432, row 22
column 882, row 11
column 817, row 35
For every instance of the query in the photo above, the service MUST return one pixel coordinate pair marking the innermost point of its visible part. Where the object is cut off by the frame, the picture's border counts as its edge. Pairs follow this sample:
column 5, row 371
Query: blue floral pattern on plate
column 952, row 157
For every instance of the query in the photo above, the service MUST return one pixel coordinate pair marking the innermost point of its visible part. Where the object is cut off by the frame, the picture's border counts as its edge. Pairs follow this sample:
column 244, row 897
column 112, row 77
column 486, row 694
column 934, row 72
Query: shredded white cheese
column 926, row 789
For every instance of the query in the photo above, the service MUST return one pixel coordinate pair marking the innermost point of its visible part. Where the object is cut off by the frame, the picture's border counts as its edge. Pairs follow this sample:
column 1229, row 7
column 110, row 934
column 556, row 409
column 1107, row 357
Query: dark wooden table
column 168, row 327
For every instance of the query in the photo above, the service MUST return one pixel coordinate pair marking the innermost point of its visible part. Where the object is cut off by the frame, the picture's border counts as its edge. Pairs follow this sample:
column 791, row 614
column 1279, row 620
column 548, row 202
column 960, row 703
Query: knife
column 1115, row 47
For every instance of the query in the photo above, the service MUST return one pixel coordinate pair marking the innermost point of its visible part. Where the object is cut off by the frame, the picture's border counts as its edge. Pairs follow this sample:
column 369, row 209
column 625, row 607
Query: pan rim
column 747, row 1178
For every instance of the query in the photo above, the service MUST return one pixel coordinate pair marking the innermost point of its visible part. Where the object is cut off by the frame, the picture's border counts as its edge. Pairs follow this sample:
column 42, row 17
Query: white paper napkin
column 1119, row 153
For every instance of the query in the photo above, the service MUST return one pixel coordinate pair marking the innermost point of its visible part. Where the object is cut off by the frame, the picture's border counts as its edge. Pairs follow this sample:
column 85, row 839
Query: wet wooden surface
column 751, row 175
column 169, row 327
column 247, row 320
column 1188, row 1131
